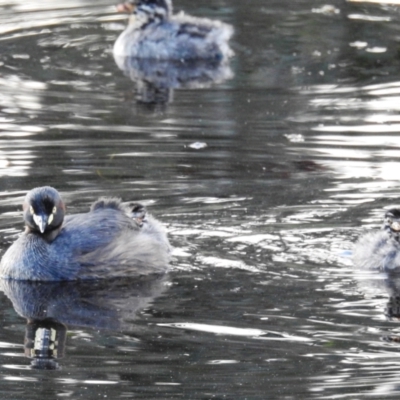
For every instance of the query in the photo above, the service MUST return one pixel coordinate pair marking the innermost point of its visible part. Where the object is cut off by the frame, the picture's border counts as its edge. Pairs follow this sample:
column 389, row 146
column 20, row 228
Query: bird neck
column 145, row 17
column 49, row 235
column 394, row 235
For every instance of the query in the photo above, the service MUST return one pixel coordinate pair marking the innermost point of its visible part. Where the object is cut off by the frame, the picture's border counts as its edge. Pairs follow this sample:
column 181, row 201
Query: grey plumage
column 380, row 250
column 105, row 242
column 154, row 32
column 377, row 250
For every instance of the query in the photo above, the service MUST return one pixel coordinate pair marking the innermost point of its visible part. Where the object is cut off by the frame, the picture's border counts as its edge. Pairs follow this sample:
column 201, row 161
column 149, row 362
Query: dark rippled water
column 265, row 178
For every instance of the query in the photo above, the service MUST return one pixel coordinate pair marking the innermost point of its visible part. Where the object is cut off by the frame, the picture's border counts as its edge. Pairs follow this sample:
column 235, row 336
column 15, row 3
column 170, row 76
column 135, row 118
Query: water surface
column 265, row 178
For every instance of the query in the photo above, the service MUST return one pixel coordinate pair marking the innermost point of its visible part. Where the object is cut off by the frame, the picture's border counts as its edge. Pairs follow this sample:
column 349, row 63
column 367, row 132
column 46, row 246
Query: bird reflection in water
column 155, row 80
column 45, row 343
column 52, row 307
column 392, row 310
column 379, row 285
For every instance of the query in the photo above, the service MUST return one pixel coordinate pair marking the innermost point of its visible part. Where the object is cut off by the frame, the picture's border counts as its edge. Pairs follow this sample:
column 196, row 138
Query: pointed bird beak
column 41, row 222
column 127, row 7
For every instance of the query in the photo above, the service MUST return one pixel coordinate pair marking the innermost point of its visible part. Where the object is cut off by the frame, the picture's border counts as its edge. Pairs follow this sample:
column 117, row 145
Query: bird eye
column 54, row 210
column 31, row 210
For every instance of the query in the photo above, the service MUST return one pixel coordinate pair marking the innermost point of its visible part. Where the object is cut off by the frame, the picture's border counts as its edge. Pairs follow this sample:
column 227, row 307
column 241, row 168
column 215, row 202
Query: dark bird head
column 392, row 222
column 138, row 213
column 151, row 9
column 44, row 211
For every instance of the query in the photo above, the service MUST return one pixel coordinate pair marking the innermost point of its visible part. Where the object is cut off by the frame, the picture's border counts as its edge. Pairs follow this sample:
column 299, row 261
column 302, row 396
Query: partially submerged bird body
column 154, row 32
column 381, row 250
column 107, row 242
